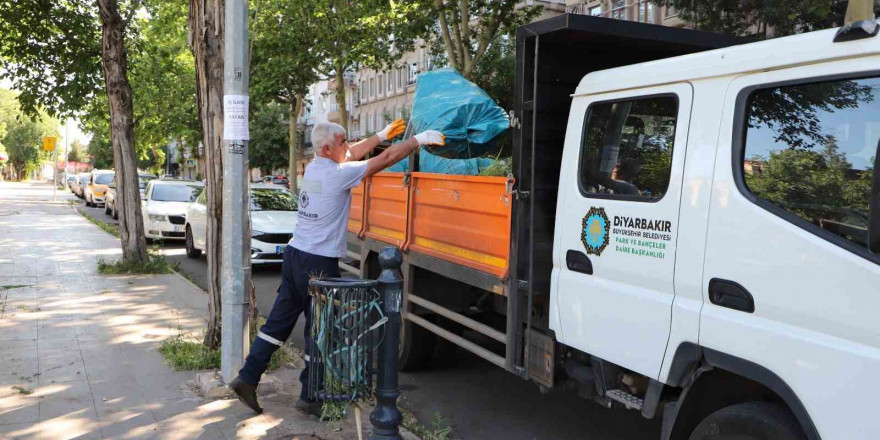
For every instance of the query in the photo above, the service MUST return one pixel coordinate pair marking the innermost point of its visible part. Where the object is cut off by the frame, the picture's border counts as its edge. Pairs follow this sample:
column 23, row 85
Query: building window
column 810, row 151
column 372, row 87
column 645, row 11
column 390, row 82
column 401, row 77
column 363, row 91
column 381, row 84
column 413, row 72
column 627, row 148
column 596, row 11
column 670, row 11
column 619, row 10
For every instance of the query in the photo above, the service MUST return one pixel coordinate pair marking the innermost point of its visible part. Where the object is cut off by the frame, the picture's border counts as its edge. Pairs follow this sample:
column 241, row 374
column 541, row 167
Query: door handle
column 729, row 294
column 578, row 261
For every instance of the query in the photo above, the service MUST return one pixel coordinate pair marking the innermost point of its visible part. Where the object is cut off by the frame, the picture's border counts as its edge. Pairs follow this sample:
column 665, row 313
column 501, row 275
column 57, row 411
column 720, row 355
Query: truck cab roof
column 803, row 49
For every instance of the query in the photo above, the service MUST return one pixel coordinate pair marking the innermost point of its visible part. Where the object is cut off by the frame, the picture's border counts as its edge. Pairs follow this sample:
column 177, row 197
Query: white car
column 164, row 207
column 273, row 219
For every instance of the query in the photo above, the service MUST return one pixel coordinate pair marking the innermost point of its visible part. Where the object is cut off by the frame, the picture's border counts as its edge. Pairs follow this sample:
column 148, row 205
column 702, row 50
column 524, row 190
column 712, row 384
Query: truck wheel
column 416, row 347
column 191, row 250
column 749, row 421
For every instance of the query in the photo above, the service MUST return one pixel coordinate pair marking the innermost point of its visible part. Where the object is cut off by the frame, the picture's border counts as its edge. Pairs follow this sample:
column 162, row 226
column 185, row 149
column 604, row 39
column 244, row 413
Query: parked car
column 97, row 186
column 164, row 207
column 82, row 179
column 71, row 182
column 110, row 207
column 273, row 218
column 277, row 180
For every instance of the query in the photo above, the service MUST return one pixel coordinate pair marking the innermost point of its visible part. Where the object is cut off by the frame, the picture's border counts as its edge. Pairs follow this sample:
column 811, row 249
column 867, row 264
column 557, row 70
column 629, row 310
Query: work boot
column 247, row 393
column 314, row 407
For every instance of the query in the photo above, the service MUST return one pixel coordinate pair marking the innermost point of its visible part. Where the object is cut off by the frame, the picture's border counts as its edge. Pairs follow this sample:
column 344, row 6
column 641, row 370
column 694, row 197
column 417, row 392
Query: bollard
column 386, row 418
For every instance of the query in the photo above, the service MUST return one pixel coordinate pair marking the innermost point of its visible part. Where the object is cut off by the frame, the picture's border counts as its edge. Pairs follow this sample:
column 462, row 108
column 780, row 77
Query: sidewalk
column 79, row 352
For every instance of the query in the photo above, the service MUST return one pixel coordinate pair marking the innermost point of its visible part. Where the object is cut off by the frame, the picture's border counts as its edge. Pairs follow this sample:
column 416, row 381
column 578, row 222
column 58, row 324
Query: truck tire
column 416, row 347
column 749, row 421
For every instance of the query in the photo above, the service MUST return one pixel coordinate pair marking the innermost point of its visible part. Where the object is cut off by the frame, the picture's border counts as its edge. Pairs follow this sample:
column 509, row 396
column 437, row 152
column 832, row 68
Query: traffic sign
column 49, row 143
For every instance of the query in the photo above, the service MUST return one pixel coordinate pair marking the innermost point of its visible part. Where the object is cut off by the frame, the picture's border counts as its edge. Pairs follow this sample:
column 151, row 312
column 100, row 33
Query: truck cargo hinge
column 514, row 121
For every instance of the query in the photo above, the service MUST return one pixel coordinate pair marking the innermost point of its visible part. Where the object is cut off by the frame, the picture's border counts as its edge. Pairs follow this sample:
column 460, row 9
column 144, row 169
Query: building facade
column 643, row 11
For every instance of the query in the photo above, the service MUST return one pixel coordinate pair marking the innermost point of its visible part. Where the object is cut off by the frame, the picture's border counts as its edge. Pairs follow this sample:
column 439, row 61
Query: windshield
column 175, row 193
column 83, row 179
column 265, row 199
column 103, row 179
column 142, row 181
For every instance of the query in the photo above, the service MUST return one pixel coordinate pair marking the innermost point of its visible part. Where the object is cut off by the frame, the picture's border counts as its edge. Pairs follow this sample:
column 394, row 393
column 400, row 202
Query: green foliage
column 490, row 30
column 77, row 152
column 270, row 136
column 754, row 17
column 22, row 135
column 22, row 390
column 61, row 72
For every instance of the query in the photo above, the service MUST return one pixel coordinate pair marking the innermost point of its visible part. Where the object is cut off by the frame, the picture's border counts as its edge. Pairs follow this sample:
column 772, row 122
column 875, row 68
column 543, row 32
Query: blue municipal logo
column 594, row 232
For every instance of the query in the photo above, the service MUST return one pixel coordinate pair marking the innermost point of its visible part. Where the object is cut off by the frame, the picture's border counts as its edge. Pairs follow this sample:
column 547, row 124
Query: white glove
column 431, row 137
column 393, row 130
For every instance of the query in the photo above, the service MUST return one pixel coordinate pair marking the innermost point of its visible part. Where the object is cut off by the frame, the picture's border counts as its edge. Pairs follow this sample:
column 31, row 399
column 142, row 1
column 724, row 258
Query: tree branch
column 456, row 35
column 486, row 37
column 132, row 9
column 447, row 41
column 465, row 29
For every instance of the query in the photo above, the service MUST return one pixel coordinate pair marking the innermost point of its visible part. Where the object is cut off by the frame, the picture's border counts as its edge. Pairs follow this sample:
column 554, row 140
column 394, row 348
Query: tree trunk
column 340, row 96
column 206, row 18
column 119, row 96
column 293, row 168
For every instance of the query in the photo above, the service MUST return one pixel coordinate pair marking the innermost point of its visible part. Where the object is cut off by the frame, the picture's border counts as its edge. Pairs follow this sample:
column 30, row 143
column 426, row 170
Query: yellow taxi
column 97, row 187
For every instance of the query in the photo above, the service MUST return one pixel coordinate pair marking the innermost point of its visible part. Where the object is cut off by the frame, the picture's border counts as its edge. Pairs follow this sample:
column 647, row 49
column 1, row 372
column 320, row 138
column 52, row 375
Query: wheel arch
column 700, row 371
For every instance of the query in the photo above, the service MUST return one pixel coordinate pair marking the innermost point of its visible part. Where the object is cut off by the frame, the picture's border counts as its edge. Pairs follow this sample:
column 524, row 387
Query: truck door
column 614, row 251
column 792, row 269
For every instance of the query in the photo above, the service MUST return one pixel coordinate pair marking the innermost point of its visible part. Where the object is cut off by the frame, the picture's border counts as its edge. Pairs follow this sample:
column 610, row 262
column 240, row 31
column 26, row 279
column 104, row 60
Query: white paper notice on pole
column 235, row 117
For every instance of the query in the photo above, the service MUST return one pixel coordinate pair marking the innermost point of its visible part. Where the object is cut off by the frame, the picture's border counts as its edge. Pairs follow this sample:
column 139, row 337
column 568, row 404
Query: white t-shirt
column 324, row 199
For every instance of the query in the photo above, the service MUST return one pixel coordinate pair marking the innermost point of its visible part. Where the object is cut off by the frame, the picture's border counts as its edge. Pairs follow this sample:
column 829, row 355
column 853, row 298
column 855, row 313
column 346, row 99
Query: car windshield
column 84, row 179
column 103, row 179
column 265, row 199
column 142, row 181
column 175, row 193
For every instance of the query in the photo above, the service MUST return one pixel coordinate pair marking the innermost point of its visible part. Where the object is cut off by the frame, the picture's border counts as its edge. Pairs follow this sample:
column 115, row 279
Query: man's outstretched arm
column 400, row 150
column 364, row 147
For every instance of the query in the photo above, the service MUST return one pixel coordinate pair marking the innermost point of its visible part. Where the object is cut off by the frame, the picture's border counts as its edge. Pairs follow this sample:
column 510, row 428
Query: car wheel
column 107, row 209
column 115, row 213
column 749, row 421
column 89, row 202
column 191, row 250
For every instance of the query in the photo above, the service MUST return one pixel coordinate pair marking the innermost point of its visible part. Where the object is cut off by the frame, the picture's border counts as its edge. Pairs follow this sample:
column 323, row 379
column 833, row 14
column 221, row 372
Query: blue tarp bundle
column 445, row 101
column 429, row 163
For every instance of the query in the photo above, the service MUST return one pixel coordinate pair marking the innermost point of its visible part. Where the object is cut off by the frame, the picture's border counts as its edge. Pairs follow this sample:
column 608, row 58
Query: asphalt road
column 477, row 399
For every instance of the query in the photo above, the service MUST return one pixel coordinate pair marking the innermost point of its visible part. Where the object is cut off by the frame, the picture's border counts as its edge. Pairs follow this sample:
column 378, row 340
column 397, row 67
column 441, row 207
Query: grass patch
column 154, row 264
column 185, row 355
column 107, row 227
column 438, row 430
column 27, row 309
column 22, row 390
column 13, row 286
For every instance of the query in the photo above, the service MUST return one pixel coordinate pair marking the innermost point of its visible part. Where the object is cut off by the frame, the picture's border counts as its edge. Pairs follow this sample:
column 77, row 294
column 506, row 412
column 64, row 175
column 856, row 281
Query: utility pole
column 66, row 151
column 235, row 267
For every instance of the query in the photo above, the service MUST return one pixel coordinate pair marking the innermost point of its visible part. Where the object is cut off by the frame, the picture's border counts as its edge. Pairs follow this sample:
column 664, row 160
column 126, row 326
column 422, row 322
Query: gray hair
column 325, row 133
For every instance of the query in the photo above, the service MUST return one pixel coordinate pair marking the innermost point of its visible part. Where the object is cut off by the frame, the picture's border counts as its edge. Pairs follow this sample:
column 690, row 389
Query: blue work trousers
column 293, row 298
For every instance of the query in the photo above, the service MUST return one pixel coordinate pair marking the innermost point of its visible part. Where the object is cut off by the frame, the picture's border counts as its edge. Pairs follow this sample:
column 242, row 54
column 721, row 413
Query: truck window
column 810, row 150
column 627, row 148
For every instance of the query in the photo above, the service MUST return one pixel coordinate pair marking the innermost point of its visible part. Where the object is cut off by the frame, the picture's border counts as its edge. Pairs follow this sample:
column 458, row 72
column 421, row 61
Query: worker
column 319, row 240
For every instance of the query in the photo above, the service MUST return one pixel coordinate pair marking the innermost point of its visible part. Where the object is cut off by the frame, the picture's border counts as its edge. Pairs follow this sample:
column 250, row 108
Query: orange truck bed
column 461, row 219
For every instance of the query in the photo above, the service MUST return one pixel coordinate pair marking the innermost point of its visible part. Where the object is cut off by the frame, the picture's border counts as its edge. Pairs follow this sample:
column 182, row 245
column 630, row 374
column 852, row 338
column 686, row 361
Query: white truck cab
column 716, row 209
